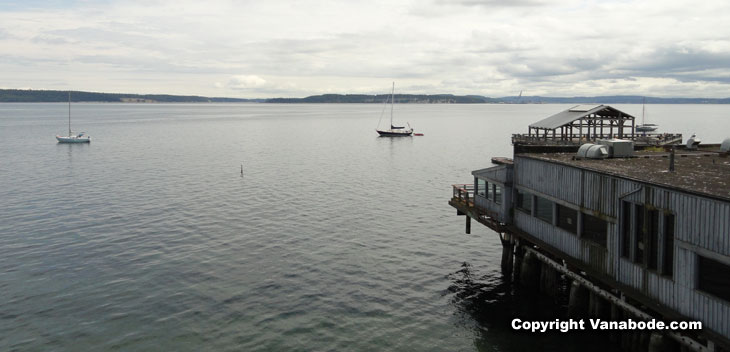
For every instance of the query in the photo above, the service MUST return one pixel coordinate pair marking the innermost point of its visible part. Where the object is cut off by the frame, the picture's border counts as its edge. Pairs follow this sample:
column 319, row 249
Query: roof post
column 580, row 130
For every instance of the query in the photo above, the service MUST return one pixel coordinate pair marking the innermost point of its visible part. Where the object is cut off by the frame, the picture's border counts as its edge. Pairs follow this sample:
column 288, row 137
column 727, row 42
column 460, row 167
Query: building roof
column 578, row 112
column 695, row 172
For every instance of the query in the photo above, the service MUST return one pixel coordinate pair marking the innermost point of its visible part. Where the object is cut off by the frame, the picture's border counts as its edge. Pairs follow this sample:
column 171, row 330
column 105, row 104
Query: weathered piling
column 658, row 343
column 519, row 254
column 549, row 278
column 597, row 306
column 578, row 302
column 507, row 254
column 530, row 271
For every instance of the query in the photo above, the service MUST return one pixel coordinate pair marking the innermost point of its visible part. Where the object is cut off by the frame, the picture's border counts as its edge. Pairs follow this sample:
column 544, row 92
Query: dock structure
column 635, row 239
column 587, row 123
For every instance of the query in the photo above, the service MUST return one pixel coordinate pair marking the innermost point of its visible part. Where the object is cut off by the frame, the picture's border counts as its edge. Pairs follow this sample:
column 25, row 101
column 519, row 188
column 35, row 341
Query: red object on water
column 418, row 134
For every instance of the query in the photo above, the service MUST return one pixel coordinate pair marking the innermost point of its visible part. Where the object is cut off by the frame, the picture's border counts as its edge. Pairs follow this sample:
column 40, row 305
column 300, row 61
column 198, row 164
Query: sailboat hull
column 395, row 133
column 73, row 139
column 646, row 128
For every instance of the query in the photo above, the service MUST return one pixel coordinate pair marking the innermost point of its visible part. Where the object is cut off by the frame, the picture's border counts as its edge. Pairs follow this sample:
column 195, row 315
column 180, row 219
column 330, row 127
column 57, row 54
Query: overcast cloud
column 249, row 49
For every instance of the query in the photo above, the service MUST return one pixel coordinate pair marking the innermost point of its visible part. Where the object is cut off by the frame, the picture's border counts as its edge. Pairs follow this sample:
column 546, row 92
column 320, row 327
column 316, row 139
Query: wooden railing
column 464, row 193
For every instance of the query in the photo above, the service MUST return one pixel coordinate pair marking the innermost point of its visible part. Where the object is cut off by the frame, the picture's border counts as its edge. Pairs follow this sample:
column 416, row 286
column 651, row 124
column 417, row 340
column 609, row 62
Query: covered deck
column 586, row 123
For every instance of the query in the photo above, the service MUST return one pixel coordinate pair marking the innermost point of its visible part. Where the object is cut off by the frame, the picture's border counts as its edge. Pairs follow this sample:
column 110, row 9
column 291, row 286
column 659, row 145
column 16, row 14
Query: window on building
column 713, row 277
column 594, row 229
column 498, row 194
column 524, row 201
column 625, row 229
column 639, row 238
column 653, row 239
column 567, row 219
column 490, row 191
column 481, row 187
column 668, row 262
column 544, row 209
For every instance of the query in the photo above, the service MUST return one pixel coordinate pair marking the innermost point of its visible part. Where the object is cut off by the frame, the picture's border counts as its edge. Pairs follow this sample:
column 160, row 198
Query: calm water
column 149, row 238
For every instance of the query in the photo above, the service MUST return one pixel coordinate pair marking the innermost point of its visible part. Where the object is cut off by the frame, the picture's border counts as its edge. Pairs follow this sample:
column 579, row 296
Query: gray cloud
column 487, row 47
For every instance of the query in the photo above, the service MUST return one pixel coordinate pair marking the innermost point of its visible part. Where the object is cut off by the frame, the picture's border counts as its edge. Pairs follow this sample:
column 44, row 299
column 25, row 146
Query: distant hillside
column 44, row 96
column 49, row 96
column 478, row 99
column 611, row 99
column 399, row 99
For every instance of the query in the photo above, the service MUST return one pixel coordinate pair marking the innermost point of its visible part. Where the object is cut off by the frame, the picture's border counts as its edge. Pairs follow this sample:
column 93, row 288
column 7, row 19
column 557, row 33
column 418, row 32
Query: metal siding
column 699, row 221
column 499, row 174
column 492, row 207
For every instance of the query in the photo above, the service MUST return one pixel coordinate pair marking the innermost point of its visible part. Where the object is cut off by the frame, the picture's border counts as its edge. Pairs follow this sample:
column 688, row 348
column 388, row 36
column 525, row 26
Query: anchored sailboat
column 394, row 131
column 72, row 138
column 645, row 127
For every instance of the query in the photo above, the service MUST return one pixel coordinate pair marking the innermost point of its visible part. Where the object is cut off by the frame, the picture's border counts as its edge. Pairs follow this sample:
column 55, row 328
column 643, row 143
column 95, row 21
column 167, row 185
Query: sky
column 272, row 48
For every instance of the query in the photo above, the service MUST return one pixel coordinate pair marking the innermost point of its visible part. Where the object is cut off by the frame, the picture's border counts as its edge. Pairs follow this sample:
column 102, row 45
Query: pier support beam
column 519, row 253
column 658, row 343
column 549, row 278
column 597, row 306
column 507, row 254
column 530, row 271
column 468, row 225
column 578, row 301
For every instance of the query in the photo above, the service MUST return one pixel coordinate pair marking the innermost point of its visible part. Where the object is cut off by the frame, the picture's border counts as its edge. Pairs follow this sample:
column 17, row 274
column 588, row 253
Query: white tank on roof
column 593, row 151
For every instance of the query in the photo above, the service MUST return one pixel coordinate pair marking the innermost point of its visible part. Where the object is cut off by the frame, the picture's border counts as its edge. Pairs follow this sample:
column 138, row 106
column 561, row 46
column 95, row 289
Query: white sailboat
column 645, row 127
column 394, row 131
column 81, row 137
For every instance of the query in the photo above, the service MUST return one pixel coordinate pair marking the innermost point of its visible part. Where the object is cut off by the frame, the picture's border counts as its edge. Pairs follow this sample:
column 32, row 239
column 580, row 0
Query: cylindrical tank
column 593, row 151
column 725, row 147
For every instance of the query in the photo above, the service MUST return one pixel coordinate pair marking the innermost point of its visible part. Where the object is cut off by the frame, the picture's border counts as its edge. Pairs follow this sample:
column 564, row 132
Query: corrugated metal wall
column 702, row 224
column 495, row 210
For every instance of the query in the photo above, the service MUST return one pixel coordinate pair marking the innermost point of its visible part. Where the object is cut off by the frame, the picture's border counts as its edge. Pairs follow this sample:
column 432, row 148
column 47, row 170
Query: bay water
column 332, row 238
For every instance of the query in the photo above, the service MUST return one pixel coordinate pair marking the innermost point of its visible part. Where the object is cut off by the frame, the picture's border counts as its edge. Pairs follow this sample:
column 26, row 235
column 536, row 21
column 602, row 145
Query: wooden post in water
column 507, row 254
column 468, row 224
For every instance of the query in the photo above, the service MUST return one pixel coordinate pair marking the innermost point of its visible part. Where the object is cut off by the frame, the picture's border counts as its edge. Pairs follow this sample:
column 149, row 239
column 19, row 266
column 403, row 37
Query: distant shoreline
column 56, row 96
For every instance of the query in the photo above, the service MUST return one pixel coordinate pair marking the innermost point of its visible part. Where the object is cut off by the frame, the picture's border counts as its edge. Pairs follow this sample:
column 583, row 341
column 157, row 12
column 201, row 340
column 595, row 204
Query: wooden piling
column 549, row 278
column 578, row 301
column 507, row 254
column 530, row 272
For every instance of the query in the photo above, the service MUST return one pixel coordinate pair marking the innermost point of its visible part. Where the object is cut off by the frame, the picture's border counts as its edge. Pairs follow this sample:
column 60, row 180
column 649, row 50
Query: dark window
column 524, row 201
column 498, row 194
column 481, row 187
column 653, row 239
column 544, row 209
column 625, row 229
column 567, row 219
column 668, row 263
column 639, row 238
column 594, row 229
column 714, row 277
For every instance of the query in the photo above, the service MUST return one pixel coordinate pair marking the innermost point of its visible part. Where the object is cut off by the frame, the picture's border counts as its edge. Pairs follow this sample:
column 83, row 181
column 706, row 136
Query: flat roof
column 705, row 173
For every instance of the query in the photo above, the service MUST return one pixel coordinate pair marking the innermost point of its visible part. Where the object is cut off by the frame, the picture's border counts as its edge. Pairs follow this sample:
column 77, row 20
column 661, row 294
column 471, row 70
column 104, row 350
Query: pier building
column 641, row 226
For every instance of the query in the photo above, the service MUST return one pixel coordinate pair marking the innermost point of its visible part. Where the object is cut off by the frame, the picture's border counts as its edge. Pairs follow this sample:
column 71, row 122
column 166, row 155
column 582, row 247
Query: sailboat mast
column 392, row 102
column 69, row 113
column 643, row 109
